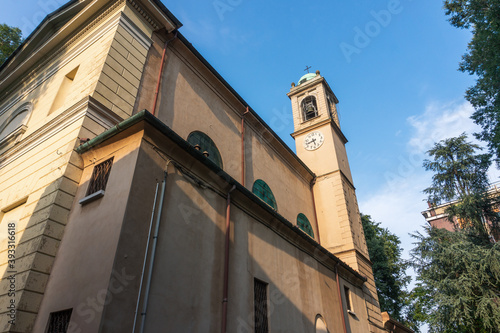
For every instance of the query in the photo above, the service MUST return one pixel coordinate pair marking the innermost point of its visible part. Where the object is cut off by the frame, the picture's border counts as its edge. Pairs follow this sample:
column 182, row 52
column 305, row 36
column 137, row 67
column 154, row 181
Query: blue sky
column 392, row 64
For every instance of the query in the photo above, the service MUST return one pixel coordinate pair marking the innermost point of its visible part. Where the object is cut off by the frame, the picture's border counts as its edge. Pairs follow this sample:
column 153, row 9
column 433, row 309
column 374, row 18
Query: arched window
column 304, row 225
column 309, row 108
column 15, row 125
column 203, row 142
column 263, row 191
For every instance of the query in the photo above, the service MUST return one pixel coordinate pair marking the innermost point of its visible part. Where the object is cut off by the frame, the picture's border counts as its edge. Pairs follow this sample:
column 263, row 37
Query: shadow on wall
column 187, row 281
column 46, row 191
column 37, row 232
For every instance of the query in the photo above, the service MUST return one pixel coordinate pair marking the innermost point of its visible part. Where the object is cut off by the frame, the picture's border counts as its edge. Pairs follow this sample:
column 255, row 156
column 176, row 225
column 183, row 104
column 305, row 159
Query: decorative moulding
column 87, row 107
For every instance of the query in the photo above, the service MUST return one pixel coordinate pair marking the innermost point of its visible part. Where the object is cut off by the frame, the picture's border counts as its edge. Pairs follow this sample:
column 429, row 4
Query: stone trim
column 92, row 197
column 14, row 136
column 73, row 54
column 154, row 24
column 137, row 33
column 85, row 107
column 344, row 177
column 121, row 20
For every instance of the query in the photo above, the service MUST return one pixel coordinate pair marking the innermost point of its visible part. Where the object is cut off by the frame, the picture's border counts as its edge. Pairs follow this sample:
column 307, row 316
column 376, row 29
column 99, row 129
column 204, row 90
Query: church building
column 140, row 193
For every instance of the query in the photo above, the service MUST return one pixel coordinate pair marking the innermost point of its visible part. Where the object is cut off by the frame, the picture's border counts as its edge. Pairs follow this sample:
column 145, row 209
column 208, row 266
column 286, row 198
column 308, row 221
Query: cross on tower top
column 307, row 68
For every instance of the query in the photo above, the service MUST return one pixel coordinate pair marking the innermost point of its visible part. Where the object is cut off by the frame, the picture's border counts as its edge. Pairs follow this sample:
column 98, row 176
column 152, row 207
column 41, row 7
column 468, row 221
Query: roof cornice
column 329, row 259
column 73, row 14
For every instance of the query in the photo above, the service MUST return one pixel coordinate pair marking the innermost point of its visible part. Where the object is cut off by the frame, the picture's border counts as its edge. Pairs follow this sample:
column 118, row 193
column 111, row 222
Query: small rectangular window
column 347, row 294
column 59, row 321
column 98, row 182
column 100, row 177
column 260, row 307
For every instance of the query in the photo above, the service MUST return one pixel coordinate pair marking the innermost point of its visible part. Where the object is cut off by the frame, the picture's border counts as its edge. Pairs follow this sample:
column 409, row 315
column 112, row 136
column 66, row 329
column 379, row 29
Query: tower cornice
column 320, row 124
column 308, row 84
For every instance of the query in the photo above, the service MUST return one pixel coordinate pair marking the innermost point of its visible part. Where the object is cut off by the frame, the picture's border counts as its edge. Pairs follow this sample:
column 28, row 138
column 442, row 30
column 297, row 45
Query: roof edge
column 168, row 13
column 145, row 115
column 35, row 31
column 242, row 101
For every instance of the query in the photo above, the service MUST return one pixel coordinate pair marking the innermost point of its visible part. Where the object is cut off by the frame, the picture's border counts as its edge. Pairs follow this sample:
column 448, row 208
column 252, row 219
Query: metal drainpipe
column 340, row 297
column 314, row 206
column 145, row 258
column 226, row 261
column 161, row 71
column 243, row 147
column 153, row 250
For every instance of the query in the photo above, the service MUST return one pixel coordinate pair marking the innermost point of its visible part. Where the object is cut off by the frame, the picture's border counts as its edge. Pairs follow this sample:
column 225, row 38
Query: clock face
column 313, row 140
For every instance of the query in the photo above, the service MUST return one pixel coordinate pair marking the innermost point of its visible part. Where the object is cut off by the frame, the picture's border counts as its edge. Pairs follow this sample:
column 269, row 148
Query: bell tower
column 320, row 143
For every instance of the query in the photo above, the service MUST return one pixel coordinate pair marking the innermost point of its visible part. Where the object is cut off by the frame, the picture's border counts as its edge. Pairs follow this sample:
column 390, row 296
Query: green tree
column 458, row 273
column 460, row 178
column 482, row 17
column 458, row 281
column 389, row 270
column 10, row 39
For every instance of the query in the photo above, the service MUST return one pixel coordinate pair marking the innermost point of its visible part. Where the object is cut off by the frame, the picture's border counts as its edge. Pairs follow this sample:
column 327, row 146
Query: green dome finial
column 307, row 77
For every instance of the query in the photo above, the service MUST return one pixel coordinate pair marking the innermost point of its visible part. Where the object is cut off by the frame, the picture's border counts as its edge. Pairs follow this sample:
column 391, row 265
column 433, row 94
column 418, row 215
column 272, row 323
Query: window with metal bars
column 304, row 225
column 100, row 177
column 260, row 306
column 59, row 321
column 309, row 108
column 263, row 191
column 203, row 142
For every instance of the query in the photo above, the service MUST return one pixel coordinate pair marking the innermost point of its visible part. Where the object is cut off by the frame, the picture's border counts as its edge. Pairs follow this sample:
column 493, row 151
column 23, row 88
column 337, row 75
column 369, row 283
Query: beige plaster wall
column 357, row 320
column 192, row 99
column 83, row 267
column 300, row 287
column 325, row 159
column 292, row 194
column 186, row 291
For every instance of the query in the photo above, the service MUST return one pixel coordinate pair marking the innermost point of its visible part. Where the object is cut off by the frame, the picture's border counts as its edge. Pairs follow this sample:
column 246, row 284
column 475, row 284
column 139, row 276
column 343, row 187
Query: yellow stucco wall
column 42, row 170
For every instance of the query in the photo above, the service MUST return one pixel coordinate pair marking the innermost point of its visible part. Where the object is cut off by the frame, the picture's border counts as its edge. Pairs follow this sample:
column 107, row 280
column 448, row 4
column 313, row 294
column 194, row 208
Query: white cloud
column 440, row 121
column 398, row 205
column 399, row 202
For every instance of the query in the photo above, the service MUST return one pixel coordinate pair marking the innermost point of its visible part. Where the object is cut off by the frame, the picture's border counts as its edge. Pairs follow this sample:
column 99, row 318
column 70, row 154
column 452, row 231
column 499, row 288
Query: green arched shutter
column 304, row 225
column 206, row 144
column 263, row 191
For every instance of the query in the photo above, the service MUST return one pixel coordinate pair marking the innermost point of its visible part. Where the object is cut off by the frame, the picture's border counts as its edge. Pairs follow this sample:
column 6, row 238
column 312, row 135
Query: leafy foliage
column 458, row 273
column 460, row 177
column 482, row 59
column 389, row 269
column 10, row 39
column 458, row 283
